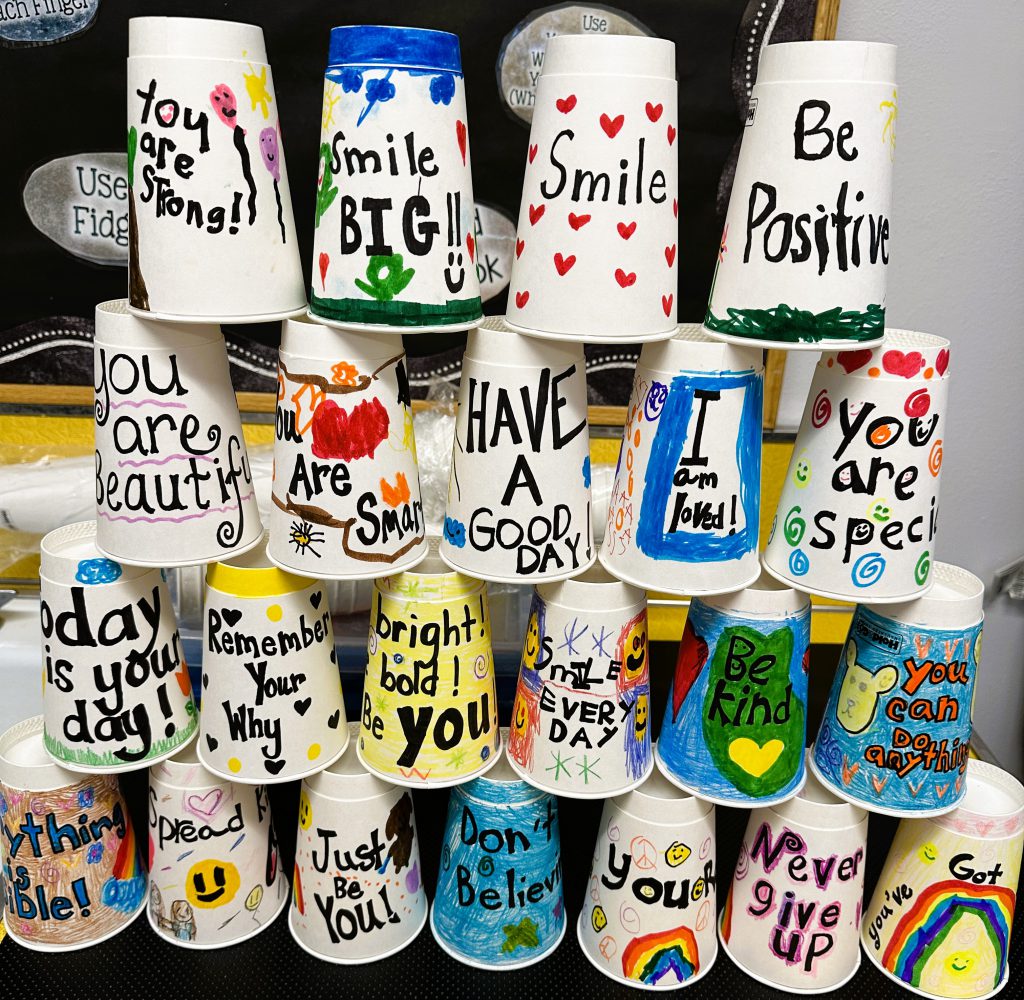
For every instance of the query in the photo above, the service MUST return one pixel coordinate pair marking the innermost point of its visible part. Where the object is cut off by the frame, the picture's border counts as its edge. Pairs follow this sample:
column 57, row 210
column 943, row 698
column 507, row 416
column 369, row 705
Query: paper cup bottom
column 77, row 768
column 270, row 317
column 555, row 578
column 265, row 780
column 799, row 345
column 921, row 993
column 189, row 946
column 660, row 587
column 334, row 960
column 871, row 806
column 396, row 330
column 505, row 967
column 393, row 779
column 632, row 982
column 308, row 571
column 563, row 793
column 784, row 989
column 795, row 584
column 740, row 803
column 591, row 338
column 222, row 556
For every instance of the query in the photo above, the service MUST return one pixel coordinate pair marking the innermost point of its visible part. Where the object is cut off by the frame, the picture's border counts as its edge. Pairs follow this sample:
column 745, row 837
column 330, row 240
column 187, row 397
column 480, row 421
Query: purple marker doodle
column 271, row 153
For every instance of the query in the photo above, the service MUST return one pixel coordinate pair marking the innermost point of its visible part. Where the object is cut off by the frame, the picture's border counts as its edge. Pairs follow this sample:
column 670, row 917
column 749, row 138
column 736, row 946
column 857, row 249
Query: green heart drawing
column 385, row 277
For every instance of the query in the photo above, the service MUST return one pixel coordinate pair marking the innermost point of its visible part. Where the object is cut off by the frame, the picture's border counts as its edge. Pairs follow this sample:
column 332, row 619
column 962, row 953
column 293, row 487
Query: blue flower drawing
column 454, row 532
column 351, row 80
column 94, row 854
column 93, row 571
column 86, row 797
column 442, row 88
column 3, row 806
column 381, row 90
column 586, row 472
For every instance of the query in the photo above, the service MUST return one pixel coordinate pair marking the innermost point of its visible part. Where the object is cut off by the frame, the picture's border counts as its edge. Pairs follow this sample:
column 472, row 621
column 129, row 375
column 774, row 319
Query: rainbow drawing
column 727, row 917
column 128, row 862
column 125, row 890
column 300, row 903
column 936, row 911
column 651, row 957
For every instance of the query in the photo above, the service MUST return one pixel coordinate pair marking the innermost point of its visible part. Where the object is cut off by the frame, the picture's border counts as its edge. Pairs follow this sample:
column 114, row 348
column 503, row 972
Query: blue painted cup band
column 378, row 45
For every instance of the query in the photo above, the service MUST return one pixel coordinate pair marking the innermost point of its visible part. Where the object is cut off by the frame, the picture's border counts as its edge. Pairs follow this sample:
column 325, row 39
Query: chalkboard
column 64, row 118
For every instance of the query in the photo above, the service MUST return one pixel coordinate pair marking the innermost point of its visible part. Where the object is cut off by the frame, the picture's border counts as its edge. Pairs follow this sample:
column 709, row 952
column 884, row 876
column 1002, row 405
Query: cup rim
column 41, row 774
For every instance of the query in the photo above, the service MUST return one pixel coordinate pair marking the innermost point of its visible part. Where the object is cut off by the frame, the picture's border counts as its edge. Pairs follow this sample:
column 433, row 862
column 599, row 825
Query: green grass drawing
column 790, row 325
column 89, row 758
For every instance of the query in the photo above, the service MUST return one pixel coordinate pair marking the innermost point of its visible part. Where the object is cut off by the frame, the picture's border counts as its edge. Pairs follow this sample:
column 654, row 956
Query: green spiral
column 794, row 526
column 923, row 568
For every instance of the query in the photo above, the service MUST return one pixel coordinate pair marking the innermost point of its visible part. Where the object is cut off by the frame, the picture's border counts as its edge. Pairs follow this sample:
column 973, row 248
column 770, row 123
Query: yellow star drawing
column 256, row 86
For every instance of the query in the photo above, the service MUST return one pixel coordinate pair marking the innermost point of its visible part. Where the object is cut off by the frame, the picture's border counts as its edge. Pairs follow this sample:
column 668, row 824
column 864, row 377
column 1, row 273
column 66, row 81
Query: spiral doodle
column 794, row 526
column 935, row 457
column 918, row 403
column 923, row 568
column 868, row 569
column 629, row 918
column 821, row 411
column 486, row 866
column 702, row 915
column 799, row 564
column 655, row 400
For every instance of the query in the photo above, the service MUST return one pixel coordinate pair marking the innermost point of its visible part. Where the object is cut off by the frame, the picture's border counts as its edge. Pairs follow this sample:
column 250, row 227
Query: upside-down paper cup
column 793, row 912
column 215, row 877
column 684, row 510
column 648, row 919
column 858, row 512
column 393, row 245
column 116, row 689
column 73, row 871
column 430, row 704
column 598, row 224
column 272, row 705
column 357, row 892
column 346, row 494
column 940, row 918
column 519, row 493
column 581, row 717
column 895, row 736
column 805, row 249
column 736, row 719
column 173, row 485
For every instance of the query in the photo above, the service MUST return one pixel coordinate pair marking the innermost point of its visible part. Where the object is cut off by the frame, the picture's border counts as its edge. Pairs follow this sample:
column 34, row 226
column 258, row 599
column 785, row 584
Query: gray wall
column 957, row 270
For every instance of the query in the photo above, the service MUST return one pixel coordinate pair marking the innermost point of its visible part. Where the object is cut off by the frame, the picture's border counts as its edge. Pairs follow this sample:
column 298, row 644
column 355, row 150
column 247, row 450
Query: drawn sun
column 305, row 537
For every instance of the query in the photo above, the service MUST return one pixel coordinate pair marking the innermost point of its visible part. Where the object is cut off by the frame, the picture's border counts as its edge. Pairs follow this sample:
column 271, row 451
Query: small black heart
column 302, row 705
column 332, row 722
column 334, row 655
column 231, row 616
column 211, row 742
column 206, row 681
column 273, row 766
column 316, row 597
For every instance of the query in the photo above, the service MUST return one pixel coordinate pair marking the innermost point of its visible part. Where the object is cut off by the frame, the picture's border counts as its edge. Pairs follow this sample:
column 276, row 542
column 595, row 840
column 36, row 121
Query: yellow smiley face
column 961, row 962
column 598, row 920
column 676, row 854
column 928, row 853
column 211, row 883
column 305, row 811
column 640, row 718
column 531, row 645
column 520, row 715
column 635, row 650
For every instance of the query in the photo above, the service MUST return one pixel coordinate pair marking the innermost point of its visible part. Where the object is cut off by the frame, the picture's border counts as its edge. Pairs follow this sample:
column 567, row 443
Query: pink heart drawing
column 205, row 806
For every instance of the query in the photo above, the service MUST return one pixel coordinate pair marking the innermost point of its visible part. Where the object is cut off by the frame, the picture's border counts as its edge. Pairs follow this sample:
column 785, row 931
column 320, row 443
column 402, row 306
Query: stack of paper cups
column 896, row 732
column 794, row 906
column 581, row 718
column 649, row 917
column 684, row 510
column 939, row 920
column 357, row 893
column 215, row 875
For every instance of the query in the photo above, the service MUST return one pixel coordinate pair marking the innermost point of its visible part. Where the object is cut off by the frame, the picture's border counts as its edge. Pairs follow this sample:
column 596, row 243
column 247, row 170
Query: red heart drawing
column 536, row 211
column 533, row 152
column 578, row 221
column 611, row 126
column 520, row 244
column 852, row 360
column 460, row 135
column 942, row 361
column 470, row 245
column 670, row 255
column 693, row 655
column 338, row 434
column 624, row 280
column 521, row 299
column 324, row 261
column 898, row 363
column 671, row 135
column 167, row 112
column 666, row 304
column 626, row 231
column 654, row 111
column 566, row 104
column 563, row 264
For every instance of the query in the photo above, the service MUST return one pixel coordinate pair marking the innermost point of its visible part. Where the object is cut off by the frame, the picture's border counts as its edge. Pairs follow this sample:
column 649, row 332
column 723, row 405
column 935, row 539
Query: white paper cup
column 805, row 249
column 73, row 868
column 597, row 241
column 940, row 918
column 735, row 723
column 648, row 919
column 273, row 709
column 581, row 720
column 211, row 233
column 430, row 704
column 393, row 244
column 684, row 510
column 794, row 906
column 215, row 875
column 173, row 485
column 346, row 494
column 116, row 689
column 499, row 902
column 858, row 512
column 358, row 893
column 519, row 493
column 895, row 736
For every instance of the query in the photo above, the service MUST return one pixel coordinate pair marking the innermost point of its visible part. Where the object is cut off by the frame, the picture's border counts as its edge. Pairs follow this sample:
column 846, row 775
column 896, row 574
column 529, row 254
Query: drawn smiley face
column 211, row 883
column 531, row 645
column 880, row 510
column 520, row 715
column 222, row 99
column 676, row 853
column 640, row 718
column 598, row 919
column 635, row 649
column 928, row 854
column 305, row 811
column 961, row 962
column 801, row 472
